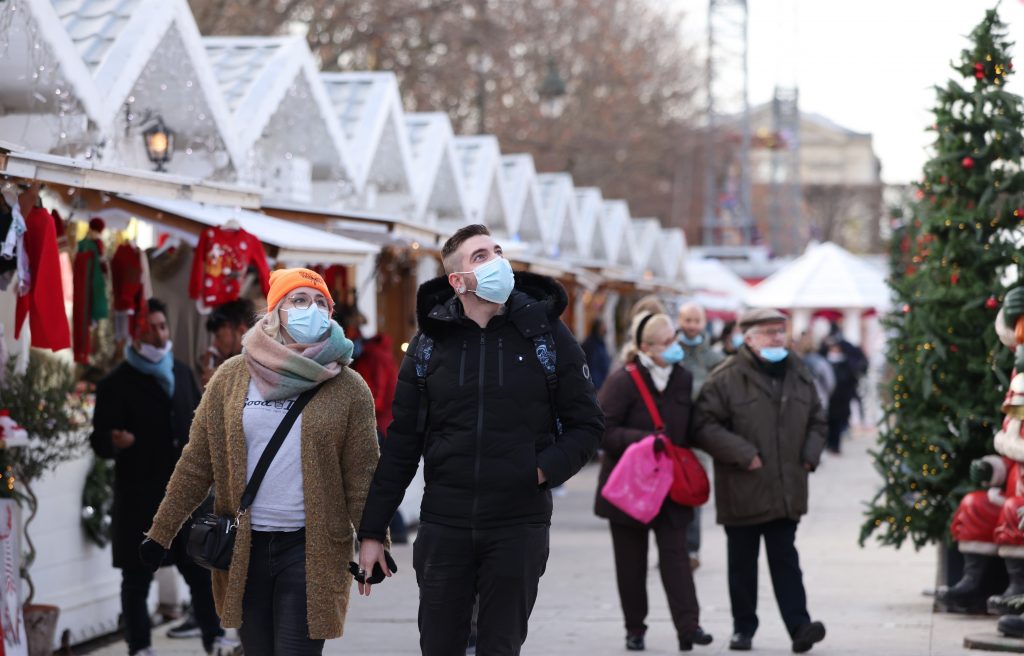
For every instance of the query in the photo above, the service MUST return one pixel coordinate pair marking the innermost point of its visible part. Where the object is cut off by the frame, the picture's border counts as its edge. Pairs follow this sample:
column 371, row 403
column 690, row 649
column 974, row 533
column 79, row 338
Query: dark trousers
column 631, row 545
column 135, row 584
column 453, row 566
column 693, row 533
column 274, row 606
column 744, row 544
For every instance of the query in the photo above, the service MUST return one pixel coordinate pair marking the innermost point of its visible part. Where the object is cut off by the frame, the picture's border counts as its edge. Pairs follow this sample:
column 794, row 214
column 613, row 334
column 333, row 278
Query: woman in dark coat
column 656, row 354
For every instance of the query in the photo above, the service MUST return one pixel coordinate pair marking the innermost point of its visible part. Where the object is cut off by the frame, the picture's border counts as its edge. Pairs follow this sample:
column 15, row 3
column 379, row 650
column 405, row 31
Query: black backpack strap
column 544, row 347
column 249, row 495
column 421, row 357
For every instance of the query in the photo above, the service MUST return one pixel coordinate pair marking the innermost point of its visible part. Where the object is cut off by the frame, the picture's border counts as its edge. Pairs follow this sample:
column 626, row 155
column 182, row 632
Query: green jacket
column 700, row 360
column 742, row 412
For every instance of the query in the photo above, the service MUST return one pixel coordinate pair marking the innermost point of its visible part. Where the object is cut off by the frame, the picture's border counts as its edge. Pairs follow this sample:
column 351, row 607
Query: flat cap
column 751, row 318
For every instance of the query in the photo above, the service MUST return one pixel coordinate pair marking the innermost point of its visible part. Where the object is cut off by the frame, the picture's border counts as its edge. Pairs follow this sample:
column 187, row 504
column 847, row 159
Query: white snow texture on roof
column 94, row 25
column 238, row 64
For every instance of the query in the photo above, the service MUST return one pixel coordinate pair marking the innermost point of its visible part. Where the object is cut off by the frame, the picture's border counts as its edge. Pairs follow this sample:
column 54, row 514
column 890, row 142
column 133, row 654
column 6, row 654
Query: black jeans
column 135, row 584
column 274, row 606
column 455, row 565
column 744, row 544
column 631, row 546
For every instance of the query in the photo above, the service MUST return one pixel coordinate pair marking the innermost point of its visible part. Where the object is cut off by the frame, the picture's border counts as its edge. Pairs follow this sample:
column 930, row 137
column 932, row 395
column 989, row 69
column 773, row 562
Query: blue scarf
column 163, row 371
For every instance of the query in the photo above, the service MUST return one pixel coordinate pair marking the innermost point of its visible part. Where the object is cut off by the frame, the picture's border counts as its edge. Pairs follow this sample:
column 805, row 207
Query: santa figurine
column 986, row 525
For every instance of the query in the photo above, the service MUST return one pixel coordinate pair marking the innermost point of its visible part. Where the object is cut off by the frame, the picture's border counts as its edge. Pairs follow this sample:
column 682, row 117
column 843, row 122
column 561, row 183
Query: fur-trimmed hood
column 535, row 302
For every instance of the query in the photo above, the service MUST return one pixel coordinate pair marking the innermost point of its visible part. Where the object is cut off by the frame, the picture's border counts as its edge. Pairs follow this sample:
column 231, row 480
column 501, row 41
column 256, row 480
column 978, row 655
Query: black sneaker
column 187, row 629
column 635, row 642
column 807, row 635
column 741, row 642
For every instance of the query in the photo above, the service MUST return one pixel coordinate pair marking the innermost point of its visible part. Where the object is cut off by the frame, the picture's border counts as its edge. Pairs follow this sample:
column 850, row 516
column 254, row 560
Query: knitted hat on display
column 97, row 224
column 285, row 281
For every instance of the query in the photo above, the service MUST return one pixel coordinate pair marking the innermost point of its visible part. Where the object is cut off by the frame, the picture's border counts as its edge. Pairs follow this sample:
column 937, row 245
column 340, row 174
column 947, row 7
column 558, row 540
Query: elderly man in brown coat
column 759, row 417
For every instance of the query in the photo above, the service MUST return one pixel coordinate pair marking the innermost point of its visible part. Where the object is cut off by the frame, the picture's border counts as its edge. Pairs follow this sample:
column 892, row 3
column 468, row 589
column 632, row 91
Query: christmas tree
column 952, row 262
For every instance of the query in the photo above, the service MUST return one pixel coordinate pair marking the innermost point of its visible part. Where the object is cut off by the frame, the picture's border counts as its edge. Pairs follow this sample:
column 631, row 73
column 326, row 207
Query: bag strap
column 249, row 495
column 421, row 358
column 544, row 347
column 645, row 394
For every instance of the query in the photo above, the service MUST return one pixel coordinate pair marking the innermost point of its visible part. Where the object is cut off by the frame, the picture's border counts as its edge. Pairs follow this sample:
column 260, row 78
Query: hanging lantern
column 159, row 144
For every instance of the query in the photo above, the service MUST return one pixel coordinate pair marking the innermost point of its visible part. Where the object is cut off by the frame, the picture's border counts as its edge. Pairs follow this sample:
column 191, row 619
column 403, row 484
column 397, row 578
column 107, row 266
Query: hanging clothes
column 13, row 259
column 43, row 303
column 170, row 270
column 90, row 303
column 221, row 260
column 129, row 276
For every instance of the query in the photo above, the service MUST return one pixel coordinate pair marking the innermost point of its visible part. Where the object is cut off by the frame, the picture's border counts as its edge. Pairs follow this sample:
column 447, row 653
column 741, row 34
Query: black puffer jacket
column 490, row 424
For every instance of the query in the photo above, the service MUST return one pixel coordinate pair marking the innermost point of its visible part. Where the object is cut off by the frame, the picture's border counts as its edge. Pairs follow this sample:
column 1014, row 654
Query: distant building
column 840, row 185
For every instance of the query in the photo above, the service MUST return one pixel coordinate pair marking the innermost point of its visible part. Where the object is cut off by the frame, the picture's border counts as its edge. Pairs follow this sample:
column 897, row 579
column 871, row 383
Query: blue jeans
column 274, row 605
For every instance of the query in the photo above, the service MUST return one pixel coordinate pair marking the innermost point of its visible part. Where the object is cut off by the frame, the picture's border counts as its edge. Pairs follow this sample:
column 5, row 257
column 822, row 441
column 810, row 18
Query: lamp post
column 552, row 92
column 159, row 144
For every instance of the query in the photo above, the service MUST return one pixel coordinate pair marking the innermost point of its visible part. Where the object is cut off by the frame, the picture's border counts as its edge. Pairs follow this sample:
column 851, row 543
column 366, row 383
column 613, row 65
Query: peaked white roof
column 612, row 225
column 670, row 253
column 558, row 203
column 435, row 166
column 480, row 166
column 710, row 277
column 825, row 276
column 589, row 203
column 641, row 239
column 273, row 90
column 527, row 219
column 369, row 109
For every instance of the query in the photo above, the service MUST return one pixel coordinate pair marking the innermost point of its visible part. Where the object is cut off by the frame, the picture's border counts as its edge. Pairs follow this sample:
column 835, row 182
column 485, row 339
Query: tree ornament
column 906, row 308
column 991, row 303
column 954, row 278
column 967, row 162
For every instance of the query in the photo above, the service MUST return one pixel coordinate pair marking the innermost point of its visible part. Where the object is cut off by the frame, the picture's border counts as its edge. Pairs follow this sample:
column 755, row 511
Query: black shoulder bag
column 211, row 539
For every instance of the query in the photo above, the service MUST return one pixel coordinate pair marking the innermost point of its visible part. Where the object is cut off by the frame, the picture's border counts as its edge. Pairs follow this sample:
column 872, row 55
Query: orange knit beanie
column 285, row 281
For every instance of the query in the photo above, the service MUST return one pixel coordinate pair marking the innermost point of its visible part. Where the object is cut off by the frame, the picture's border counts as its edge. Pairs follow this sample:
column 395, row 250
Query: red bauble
column 991, row 303
column 980, row 75
column 978, row 66
column 953, row 348
column 906, row 308
column 954, row 278
column 967, row 162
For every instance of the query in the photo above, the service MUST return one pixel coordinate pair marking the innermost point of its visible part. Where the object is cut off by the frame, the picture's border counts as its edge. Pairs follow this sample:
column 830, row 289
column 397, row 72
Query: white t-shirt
column 279, row 504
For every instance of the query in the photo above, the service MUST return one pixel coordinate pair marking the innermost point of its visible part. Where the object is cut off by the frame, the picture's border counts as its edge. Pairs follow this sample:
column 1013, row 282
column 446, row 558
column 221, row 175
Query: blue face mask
column 737, row 340
column 774, row 353
column 691, row 341
column 308, row 325
column 494, row 280
column 673, row 354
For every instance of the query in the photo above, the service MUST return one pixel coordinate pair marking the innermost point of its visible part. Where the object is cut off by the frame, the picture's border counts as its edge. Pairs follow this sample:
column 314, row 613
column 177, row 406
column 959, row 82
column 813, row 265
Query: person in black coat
column 597, row 353
column 656, row 355
column 490, row 447
column 142, row 418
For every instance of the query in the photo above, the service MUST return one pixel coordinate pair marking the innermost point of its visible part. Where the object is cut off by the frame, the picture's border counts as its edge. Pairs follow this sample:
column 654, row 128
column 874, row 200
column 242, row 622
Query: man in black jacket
column 143, row 413
column 490, row 445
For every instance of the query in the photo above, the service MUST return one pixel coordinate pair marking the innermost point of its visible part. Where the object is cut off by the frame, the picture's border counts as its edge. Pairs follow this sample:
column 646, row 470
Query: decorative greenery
column 48, row 403
column 952, row 263
column 97, row 501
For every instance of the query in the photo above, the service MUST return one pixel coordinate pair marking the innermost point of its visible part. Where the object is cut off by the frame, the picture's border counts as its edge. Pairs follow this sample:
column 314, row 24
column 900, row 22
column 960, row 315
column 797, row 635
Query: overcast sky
column 869, row 65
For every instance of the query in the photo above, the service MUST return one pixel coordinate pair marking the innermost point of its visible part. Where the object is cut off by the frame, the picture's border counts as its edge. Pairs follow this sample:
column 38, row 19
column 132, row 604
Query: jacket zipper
column 479, row 426
column 462, row 365
column 501, row 365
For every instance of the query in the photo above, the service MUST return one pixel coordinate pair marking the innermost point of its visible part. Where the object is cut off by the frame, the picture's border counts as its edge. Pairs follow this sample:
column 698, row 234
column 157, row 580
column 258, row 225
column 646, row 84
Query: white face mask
column 152, row 353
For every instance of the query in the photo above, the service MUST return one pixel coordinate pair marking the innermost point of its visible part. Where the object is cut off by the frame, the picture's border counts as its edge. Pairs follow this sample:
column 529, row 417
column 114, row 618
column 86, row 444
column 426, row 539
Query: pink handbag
column 640, row 481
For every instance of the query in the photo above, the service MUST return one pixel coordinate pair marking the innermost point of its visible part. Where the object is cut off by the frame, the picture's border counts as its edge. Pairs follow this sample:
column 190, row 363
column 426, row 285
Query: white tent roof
column 558, row 203
column 588, row 205
column 273, row 89
column 480, row 166
column 527, row 220
column 435, row 170
column 641, row 240
column 298, row 244
column 669, row 255
column 825, row 276
column 612, row 224
column 711, row 277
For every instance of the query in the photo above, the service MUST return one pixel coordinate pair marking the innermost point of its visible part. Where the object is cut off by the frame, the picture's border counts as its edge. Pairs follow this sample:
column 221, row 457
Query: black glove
column 659, row 445
column 378, row 572
column 981, row 472
column 152, row 554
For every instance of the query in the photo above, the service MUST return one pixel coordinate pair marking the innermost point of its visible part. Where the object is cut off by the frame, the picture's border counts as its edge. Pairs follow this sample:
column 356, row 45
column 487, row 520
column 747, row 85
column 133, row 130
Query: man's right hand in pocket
column 122, row 439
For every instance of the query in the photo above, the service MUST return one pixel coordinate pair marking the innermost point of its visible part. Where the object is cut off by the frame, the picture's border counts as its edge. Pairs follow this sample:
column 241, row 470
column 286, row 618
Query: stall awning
column 89, row 174
column 354, row 222
column 297, row 244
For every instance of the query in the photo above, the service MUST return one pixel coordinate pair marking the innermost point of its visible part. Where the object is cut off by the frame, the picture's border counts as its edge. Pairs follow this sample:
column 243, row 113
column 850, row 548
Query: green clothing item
column 700, row 361
column 99, row 307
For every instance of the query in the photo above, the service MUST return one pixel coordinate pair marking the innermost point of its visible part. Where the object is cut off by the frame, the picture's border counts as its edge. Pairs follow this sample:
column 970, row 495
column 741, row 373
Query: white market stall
column 826, row 277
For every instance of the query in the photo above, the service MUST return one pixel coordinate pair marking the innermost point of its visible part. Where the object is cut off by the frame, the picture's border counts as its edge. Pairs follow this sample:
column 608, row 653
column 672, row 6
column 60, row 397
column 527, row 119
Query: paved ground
column 870, row 599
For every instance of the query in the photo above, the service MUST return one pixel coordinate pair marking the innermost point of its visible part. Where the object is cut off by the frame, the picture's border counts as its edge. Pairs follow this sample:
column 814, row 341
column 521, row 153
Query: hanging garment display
column 221, row 259
column 43, row 302
column 129, row 275
column 13, row 259
column 90, row 303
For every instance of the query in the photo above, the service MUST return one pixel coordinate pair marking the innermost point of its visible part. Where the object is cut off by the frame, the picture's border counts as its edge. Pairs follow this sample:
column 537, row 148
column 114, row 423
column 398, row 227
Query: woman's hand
column 371, row 552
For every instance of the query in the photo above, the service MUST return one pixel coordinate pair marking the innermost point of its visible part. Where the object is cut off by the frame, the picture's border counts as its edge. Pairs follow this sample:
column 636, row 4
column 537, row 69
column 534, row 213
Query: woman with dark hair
column 655, row 354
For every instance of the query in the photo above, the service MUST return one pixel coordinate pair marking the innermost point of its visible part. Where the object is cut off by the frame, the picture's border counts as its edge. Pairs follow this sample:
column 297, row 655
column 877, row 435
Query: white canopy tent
column 716, row 287
column 825, row 277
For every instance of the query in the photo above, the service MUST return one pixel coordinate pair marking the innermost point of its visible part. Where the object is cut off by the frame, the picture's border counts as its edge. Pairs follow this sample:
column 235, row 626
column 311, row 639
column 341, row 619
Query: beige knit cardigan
column 339, row 456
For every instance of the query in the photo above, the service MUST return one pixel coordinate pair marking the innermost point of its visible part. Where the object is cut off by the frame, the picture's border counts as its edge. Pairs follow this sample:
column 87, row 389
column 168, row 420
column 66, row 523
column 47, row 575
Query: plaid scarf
column 283, row 371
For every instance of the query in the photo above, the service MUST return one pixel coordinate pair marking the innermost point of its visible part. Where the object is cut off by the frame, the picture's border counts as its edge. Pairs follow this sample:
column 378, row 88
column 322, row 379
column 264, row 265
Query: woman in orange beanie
column 286, row 588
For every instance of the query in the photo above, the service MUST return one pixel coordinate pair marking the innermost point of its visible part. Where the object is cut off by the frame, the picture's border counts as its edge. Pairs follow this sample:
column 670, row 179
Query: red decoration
column 954, row 278
column 906, row 308
column 991, row 303
column 953, row 348
column 967, row 162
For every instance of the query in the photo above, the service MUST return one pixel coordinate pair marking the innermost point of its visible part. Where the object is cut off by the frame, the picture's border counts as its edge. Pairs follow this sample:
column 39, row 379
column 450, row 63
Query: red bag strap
column 645, row 394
